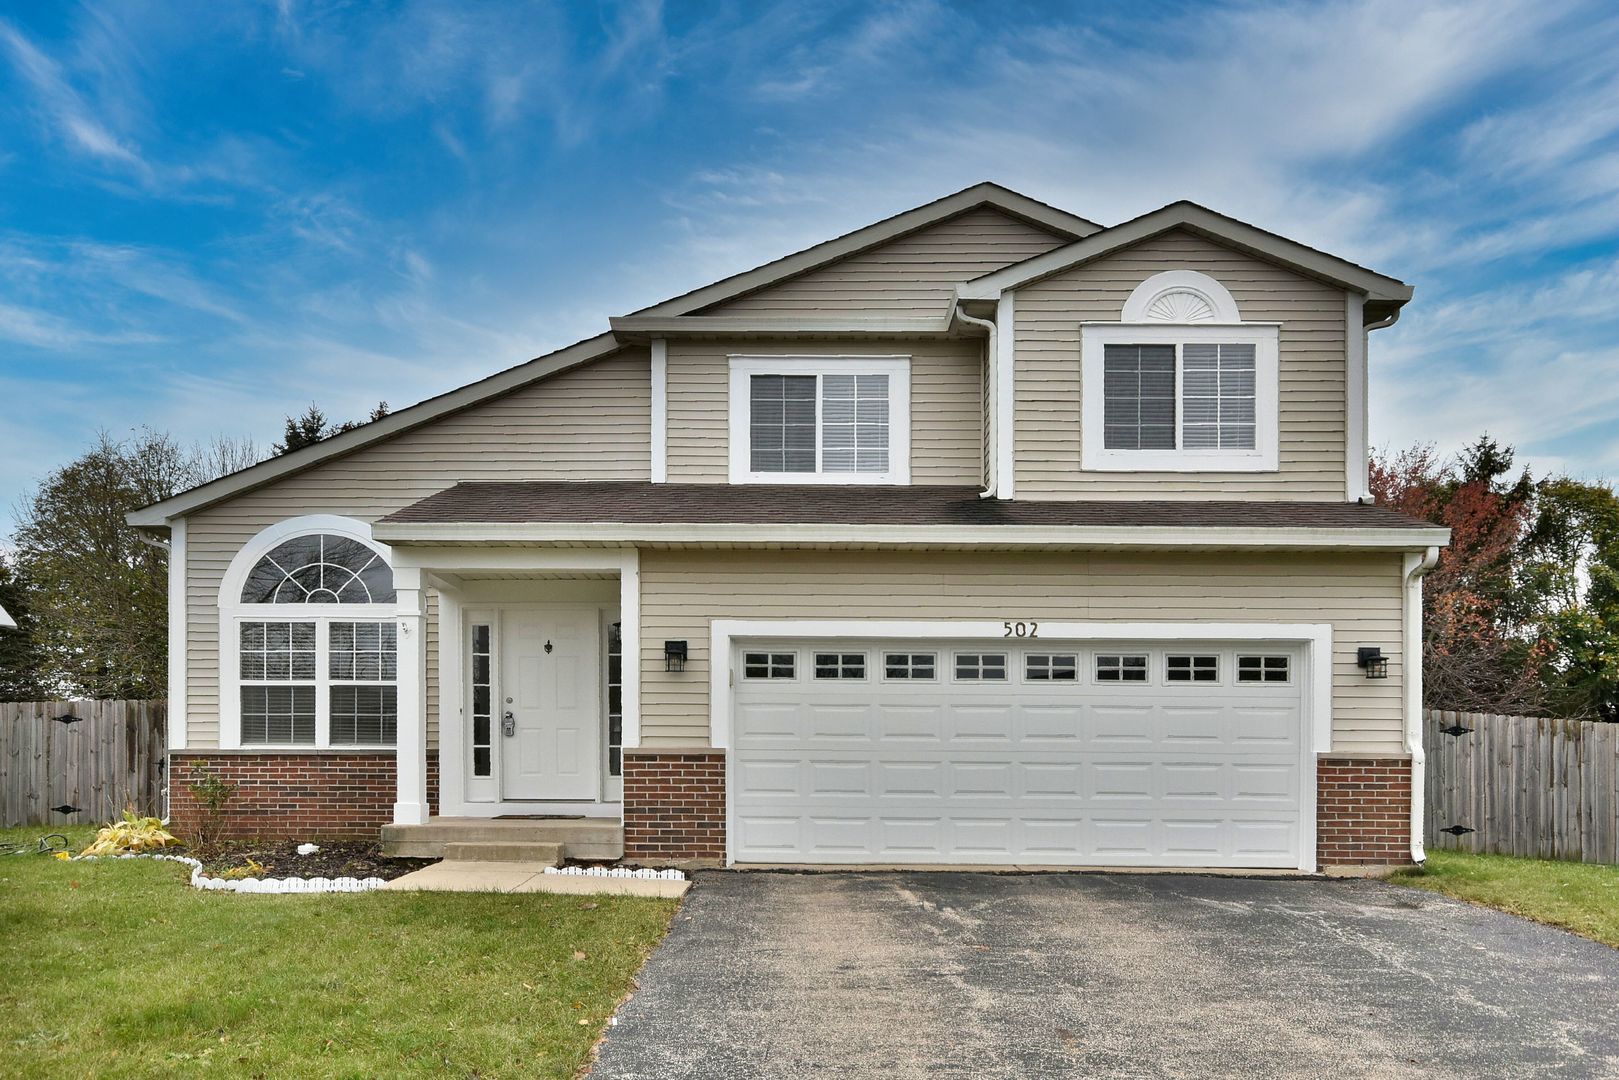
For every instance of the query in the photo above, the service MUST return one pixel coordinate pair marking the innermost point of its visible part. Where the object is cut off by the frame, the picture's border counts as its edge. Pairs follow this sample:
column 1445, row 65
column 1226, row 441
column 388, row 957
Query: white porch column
column 410, row 807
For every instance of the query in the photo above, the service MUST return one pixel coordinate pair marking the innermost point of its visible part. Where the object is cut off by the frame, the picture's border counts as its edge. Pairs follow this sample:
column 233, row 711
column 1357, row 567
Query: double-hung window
column 1179, row 398
column 316, row 647
column 805, row 420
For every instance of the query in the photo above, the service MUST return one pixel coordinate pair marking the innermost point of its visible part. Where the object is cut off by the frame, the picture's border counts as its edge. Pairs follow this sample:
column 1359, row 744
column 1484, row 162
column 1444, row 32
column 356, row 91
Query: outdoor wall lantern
column 1372, row 659
column 674, row 656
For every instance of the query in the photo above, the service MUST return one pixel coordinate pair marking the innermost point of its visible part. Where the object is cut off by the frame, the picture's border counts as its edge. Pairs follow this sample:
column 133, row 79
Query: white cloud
column 65, row 108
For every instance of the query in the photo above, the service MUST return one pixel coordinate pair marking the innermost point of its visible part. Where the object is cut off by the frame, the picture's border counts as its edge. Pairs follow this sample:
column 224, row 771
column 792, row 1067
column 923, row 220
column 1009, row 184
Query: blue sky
column 212, row 214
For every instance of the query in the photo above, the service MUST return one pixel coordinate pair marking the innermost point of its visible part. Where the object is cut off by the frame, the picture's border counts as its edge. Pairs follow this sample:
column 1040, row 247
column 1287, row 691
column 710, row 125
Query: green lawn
column 121, row 969
column 1581, row 897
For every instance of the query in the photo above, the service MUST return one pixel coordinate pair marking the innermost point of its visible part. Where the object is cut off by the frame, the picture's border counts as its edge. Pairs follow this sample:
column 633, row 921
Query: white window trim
column 232, row 613
column 1266, row 454
column 898, row 370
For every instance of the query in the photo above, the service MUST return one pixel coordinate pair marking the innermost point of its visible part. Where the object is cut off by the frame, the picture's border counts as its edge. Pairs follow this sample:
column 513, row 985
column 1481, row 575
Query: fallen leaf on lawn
column 528, row 986
column 577, row 955
column 585, row 1021
column 592, row 906
column 578, row 1004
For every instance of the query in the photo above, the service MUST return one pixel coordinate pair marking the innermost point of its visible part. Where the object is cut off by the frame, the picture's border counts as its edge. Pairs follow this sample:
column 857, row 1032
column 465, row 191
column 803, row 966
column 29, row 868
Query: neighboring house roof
column 541, row 510
column 1003, row 199
column 1385, row 295
column 6, row 621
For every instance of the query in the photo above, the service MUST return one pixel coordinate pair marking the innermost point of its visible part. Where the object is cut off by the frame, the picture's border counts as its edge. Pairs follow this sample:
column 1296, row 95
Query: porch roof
column 630, row 512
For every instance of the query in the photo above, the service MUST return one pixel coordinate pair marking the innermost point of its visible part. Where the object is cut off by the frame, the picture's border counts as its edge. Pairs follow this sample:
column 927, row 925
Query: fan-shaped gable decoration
column 320, row 568
column 1180, row 296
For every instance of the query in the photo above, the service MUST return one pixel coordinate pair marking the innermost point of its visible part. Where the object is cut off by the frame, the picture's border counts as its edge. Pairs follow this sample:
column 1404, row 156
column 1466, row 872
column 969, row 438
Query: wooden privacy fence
column 1522, row 785
column 80, row 762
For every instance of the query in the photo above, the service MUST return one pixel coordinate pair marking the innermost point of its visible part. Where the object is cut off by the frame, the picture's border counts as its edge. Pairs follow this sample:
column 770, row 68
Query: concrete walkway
column 505, row 877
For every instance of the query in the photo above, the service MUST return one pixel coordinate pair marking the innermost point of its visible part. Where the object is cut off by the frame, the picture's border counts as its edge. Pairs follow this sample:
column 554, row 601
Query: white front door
column 549, row 704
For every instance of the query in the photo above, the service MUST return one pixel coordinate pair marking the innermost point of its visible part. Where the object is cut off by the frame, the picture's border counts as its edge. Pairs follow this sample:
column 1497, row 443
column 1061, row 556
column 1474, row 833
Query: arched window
column 308, row 641
column 322, row 568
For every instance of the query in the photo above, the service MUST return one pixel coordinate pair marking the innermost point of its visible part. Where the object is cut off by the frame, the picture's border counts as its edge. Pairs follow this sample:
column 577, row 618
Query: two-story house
column 981, row 535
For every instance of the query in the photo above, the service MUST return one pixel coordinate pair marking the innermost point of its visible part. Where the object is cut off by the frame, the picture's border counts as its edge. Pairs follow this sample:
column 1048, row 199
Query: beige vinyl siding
column 589, row 423
column 914, row 275
column 1312, row 388
column 947, row 432
column 681, row 592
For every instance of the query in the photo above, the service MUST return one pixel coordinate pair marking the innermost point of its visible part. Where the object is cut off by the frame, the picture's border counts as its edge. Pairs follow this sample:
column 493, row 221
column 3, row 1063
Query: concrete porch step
column 579, row 838
column 504, row 851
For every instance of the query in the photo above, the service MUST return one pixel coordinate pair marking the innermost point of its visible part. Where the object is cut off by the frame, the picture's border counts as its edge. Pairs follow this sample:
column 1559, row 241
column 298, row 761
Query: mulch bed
column 280, row 859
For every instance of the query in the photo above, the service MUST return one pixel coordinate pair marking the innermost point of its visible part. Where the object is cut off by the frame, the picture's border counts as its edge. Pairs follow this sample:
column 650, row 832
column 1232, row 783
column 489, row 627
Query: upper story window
column 1180, row 384
column 806, row 420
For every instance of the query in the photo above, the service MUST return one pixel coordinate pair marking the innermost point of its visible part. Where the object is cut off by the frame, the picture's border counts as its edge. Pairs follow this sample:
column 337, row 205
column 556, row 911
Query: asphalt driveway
column 968, row 975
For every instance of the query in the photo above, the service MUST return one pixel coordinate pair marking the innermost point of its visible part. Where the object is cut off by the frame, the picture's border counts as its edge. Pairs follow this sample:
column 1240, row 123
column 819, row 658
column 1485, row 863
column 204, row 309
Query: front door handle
column 508, row 724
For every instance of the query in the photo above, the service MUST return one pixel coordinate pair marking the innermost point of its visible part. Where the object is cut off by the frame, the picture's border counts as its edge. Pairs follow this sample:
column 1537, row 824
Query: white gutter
column 991, row 356
column 1415, row 567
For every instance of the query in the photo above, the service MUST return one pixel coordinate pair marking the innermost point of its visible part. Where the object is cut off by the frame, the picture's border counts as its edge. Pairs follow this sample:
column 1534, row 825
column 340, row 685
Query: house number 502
column 1021, row 629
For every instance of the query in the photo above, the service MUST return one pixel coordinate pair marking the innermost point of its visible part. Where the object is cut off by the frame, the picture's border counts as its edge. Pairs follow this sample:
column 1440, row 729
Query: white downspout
column 1360, row 392
column 1415, row 567
column 991, row 356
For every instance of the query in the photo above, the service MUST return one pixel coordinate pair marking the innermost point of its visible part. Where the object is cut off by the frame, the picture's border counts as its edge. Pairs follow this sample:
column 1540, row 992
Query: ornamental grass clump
column 131, row 836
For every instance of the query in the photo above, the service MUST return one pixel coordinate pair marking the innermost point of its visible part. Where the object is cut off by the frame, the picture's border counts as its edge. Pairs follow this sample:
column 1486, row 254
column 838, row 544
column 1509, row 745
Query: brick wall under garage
column 674, row 805
column 1363, row 811
column 330, row 795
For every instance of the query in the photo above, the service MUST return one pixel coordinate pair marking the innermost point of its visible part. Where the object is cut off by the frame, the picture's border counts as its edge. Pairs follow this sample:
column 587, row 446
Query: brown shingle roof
column 540, row 502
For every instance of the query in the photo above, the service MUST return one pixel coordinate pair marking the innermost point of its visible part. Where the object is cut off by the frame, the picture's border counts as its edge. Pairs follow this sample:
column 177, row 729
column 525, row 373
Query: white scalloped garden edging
column 199, row 880
column 645, row 874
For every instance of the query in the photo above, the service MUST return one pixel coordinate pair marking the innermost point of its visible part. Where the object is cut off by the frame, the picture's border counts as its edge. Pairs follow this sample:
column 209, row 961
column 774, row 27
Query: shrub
column 212, row 793
column 132, row 835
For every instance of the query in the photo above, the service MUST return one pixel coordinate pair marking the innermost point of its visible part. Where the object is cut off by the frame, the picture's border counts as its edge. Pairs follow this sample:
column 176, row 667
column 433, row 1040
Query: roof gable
column 1008, row 202
column 1058, row 222
column 911, row 274
column 1389, row 293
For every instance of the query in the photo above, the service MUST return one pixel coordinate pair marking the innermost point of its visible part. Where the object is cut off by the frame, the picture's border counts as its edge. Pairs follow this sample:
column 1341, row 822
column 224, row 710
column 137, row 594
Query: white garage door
column 977, row 752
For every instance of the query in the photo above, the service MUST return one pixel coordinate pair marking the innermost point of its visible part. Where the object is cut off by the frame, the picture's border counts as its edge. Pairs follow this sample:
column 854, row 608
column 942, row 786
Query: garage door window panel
column 769, row 665
column 1199, row 668
column 1051, row 667
column 1263, row 669
column 837, row 665
column 981, row 667
column 1121, row 667
column 913, row 666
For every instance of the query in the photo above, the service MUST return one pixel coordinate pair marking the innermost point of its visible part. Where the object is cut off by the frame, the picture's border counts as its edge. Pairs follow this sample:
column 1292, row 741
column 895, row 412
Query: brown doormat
column 539, row 817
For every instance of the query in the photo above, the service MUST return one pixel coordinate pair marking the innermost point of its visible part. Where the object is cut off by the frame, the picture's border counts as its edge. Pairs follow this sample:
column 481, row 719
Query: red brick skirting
column 1363, row 811
column 674, row 806
column 331, row 796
